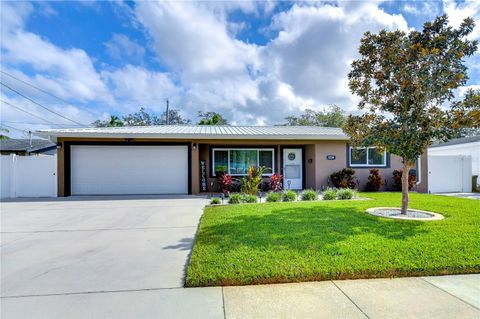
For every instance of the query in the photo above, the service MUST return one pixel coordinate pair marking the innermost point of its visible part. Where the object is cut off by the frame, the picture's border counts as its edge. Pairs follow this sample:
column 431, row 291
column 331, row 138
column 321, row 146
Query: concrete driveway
column 96, row 254
column 462, row 195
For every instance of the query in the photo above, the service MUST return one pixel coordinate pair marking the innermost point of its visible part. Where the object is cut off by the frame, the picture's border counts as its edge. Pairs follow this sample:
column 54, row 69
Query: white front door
column 292, row 168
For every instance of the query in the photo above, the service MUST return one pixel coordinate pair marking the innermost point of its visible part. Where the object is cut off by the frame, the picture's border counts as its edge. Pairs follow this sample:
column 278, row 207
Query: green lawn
column 306, row 241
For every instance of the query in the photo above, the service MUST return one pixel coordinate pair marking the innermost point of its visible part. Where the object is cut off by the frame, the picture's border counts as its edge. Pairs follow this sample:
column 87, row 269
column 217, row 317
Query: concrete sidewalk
column 422, row 297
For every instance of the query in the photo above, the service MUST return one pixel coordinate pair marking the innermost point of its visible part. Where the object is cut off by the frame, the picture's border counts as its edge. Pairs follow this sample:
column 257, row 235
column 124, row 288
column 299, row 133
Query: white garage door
column 449, row 174
column 111, row 170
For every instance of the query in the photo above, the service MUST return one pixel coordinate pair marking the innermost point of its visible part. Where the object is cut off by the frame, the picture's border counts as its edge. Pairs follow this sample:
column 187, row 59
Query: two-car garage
column 128, row 169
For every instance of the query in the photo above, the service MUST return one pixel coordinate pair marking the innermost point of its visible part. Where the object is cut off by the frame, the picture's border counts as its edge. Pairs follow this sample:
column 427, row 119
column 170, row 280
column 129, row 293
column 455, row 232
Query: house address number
column 331, row 157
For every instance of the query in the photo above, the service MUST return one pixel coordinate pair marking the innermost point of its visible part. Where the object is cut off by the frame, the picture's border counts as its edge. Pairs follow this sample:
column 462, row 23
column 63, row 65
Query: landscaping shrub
column 289, row 196
column 276, row 182
column 249, row 198
column 264, row 186
column 329, row 194
column 375, row 181
column 274, row 197
column 253, row 179
column 345, row 193
column 235, row 199
column 343, row 178
column 397, row 180
column 224, row 182
column 236, row 185
column 309, row 194
column 215, row 201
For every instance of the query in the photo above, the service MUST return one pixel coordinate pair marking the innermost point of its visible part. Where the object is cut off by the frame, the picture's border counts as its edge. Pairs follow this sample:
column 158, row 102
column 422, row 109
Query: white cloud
column 458, row 11
column 41, row 119
column 192, row 39
column 121, row 47
column 316, row 45
column 68, row 73
column 411, row 8
column 427, row 9
column 305, row 66
column 135, row 86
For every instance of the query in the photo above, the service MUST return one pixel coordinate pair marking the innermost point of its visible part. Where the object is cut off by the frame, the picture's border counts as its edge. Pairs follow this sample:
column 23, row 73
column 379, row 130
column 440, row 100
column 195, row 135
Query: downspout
column 419, row 171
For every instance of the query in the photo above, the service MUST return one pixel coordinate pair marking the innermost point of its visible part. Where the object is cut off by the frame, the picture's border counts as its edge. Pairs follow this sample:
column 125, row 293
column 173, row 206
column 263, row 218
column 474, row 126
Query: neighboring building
column 27, row 147
column 183, row 159
column 469, row 146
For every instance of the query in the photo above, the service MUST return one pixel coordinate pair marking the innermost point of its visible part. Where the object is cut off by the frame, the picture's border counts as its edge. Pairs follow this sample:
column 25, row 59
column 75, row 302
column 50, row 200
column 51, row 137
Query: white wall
column 28, row 176
column 449, row 174
column 471, row 149
column 6, row 166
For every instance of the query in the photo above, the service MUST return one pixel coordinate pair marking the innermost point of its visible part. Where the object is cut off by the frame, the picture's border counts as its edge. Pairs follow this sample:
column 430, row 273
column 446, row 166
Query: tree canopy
column 331, row 116
column 211, row 118
column 114, row 121
column 406, row 83
column 143, row 118
column 2, row 135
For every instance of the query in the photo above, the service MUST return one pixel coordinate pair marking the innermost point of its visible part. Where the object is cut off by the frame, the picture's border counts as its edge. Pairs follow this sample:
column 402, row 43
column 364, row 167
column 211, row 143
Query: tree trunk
column 405, row 173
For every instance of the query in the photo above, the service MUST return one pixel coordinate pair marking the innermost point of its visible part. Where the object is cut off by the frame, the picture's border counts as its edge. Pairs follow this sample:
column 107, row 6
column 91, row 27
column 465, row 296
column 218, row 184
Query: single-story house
column 171, row 159
column 23, row 146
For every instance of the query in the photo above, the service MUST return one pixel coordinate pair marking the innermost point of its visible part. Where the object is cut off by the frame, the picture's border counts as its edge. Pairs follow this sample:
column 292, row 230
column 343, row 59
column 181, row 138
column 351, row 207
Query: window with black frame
column 236, row 161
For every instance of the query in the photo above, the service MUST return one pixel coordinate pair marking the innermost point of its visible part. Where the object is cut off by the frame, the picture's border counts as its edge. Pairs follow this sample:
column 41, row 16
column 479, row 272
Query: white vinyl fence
column 28, row 176
column 449, row 174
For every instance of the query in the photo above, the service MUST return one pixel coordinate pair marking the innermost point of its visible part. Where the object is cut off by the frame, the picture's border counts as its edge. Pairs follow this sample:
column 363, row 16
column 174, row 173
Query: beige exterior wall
column 310, row 166
column 317, row 167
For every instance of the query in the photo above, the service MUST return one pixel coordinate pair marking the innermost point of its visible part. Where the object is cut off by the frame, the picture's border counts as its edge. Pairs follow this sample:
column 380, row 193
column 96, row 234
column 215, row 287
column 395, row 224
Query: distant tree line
column 331, row 116
column 144, row 118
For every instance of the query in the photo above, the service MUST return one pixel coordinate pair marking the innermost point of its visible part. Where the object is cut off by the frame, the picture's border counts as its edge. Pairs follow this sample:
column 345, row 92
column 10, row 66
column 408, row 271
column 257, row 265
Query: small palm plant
column 251, row 182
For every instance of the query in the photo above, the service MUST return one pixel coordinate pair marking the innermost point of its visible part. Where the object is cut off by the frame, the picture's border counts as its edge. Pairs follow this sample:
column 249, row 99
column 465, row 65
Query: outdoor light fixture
column 194, row 146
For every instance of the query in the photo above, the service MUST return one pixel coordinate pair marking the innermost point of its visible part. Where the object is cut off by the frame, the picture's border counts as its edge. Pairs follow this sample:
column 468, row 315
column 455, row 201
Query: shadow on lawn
column 300, row 228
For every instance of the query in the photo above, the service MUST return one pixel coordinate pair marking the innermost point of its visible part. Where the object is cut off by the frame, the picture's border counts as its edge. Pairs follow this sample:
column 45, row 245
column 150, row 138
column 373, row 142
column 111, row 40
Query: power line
column 25, row 111
column 13, row 128
column 31, row 123
column 35, row 87
column 44, row 107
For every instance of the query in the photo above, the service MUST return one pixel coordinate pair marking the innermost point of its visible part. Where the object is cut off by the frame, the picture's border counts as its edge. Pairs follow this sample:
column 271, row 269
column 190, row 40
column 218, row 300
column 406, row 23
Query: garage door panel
column 106, row 170
column 449, row 173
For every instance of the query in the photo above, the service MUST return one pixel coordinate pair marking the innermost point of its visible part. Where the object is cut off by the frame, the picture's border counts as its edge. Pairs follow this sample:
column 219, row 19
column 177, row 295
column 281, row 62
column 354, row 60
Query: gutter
column 52, row 136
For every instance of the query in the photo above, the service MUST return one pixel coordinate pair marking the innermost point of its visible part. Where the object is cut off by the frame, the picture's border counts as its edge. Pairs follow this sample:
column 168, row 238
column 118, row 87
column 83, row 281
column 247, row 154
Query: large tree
column 406, row 83
column 331, row 116
column 211, row 118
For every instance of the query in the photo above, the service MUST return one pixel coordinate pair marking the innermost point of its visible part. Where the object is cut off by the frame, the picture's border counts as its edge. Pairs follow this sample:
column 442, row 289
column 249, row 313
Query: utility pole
column 167, row 119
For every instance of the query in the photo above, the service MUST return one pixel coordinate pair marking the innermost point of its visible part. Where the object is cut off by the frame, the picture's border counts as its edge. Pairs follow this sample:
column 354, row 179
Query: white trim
column 307, row 137
column 242, row 149
column 366, row 164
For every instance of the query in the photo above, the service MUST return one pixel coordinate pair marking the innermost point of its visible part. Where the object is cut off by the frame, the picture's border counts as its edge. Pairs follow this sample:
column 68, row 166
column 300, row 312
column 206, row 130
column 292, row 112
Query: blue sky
column 254, row 62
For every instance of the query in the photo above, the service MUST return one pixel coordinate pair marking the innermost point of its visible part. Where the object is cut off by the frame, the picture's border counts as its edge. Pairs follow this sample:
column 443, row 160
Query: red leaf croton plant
column 406, row 84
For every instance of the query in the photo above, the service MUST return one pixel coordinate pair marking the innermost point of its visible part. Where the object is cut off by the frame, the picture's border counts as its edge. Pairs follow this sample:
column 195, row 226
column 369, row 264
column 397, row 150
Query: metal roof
column 201, row 132
column 457, row 141
column 23, row 145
